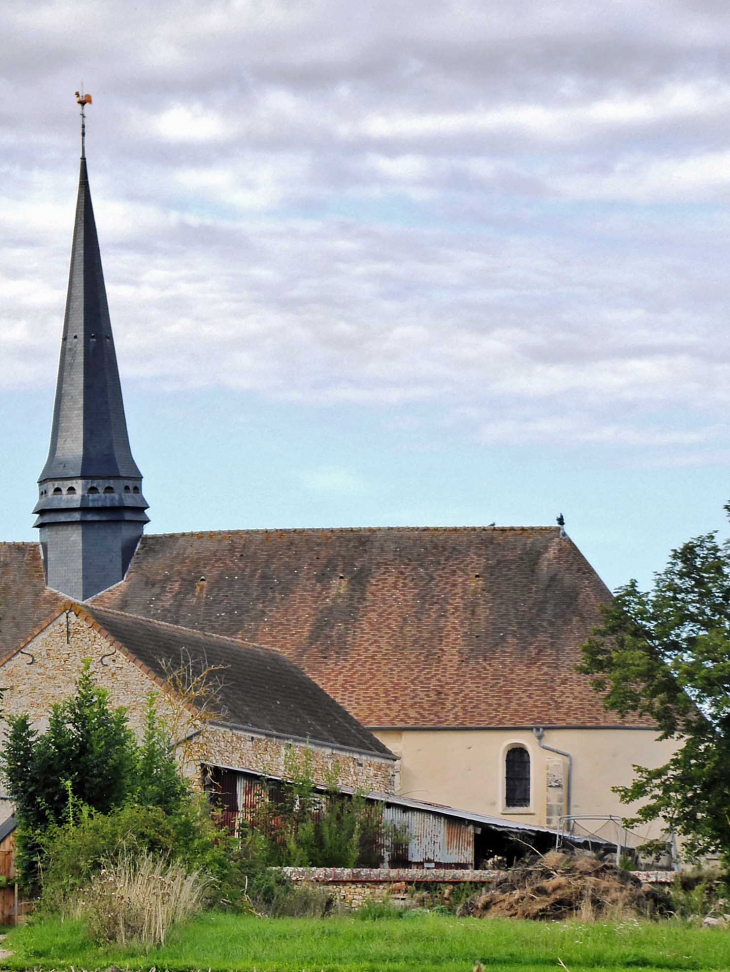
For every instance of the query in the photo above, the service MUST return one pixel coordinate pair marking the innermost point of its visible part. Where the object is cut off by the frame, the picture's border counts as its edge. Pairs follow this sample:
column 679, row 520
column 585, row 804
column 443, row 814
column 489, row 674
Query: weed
column 138, row 899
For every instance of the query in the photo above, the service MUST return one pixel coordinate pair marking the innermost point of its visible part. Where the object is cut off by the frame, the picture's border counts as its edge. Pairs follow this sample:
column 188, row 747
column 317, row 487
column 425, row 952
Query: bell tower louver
column 91, row 511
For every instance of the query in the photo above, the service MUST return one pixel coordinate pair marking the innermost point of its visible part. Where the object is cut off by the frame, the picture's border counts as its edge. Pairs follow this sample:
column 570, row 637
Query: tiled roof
column 25, row 601
column 258, row 688
column 433, row 627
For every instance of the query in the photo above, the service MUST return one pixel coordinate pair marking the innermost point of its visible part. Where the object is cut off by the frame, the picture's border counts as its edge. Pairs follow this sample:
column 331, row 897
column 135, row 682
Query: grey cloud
column 501, row 211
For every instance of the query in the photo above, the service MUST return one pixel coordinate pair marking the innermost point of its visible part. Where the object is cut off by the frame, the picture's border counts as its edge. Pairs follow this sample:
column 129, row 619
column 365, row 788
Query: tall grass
column 421, row 943
column 139, row 898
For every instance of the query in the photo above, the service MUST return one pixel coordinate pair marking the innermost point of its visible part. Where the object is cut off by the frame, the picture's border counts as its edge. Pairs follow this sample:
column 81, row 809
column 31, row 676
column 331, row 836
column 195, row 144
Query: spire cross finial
column 83, row 100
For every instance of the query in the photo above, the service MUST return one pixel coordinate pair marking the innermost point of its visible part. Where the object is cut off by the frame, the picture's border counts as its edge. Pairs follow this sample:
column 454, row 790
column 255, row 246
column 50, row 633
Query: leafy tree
column 157, row 778
column 665, row 654
column 88, row 762
column 88, row 751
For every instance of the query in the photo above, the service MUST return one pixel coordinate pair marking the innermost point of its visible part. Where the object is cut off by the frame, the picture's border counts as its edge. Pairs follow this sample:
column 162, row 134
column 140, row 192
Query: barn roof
column 432, row 627
column 255, row 689
column 258, row 688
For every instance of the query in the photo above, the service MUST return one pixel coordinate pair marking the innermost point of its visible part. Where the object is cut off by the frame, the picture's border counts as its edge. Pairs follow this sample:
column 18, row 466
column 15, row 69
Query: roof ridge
column 363, row 529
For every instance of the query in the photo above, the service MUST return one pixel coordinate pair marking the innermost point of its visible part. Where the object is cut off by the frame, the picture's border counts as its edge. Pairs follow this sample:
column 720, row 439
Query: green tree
column 88, row 752
column 88, row 763
column 665, row 654
column 157, row 778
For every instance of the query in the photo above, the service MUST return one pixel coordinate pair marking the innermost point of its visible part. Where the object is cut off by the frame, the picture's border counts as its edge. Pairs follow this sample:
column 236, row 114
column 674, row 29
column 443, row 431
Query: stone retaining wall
column 354, row 886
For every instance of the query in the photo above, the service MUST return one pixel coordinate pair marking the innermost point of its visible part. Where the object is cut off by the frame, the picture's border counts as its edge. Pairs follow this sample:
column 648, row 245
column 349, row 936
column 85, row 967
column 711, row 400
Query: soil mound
column 559, row 886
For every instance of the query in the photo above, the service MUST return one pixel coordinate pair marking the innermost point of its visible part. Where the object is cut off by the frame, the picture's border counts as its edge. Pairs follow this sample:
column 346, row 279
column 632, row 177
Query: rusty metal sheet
column 431, row 839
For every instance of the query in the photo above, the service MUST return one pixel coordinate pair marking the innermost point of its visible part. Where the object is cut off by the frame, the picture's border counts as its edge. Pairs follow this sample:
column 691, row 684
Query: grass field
column 421, row 943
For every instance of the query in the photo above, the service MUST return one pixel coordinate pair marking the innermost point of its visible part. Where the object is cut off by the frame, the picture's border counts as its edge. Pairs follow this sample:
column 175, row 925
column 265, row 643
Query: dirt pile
column 559, row 886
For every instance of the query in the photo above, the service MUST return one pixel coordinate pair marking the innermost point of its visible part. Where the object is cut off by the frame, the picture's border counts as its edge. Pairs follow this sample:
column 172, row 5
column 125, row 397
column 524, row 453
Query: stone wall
column 266, row 754
column 354, row 887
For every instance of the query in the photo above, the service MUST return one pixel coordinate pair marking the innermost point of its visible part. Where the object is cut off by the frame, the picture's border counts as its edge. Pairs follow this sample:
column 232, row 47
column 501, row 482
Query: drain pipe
column 539, row 733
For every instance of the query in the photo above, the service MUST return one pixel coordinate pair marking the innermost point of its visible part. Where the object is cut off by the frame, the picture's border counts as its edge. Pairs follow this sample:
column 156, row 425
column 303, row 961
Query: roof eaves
column 308, row 740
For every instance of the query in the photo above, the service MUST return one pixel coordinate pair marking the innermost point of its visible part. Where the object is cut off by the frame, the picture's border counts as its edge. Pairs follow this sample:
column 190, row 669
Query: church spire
column 90, row 506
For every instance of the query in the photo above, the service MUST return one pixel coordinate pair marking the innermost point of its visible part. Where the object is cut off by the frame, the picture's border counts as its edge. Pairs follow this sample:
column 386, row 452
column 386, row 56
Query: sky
column 398, row 262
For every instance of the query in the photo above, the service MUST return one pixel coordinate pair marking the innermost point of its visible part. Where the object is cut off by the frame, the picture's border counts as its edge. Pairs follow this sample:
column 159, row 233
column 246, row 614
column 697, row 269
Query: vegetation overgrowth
column 110, row 829
column 665, row 654
column 415, row 943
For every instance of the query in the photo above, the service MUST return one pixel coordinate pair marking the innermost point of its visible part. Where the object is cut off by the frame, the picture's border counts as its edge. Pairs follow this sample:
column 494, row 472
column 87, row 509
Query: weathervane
column 83, row 100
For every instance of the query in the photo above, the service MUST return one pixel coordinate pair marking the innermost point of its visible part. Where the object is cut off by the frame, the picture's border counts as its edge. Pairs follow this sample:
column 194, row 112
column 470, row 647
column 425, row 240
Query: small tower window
column 108, row 489
column 127, row 489
column 517, row 777
column 71, row 489
column 93, row 489
column 136, row 489
column 57, row 491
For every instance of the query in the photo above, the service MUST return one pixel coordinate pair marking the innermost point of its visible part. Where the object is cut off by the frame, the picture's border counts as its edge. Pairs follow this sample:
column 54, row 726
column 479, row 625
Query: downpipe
column 539, row 733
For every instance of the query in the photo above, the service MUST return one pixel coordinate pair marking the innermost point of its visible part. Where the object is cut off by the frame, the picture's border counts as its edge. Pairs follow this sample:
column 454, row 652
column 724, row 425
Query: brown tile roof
column 404, row 627
column 25, row 601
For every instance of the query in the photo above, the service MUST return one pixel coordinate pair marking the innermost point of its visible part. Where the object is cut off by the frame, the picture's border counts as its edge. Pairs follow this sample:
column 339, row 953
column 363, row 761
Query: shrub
column 139, row 898
column 87, row 753
column 694, row 896
column 300, row 901
column 295, row 824
column 377, row 910
column 75, row 851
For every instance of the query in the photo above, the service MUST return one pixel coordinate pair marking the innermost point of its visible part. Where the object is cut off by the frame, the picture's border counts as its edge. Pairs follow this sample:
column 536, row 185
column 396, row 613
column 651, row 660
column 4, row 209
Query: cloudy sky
column 385, row 263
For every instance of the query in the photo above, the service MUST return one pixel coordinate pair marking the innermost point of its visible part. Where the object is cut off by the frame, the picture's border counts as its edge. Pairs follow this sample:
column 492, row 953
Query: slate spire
column 91, row 511
column 89, row 434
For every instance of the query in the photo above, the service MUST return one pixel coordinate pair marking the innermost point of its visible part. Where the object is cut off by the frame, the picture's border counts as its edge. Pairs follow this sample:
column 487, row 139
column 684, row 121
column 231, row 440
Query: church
column 434, row 664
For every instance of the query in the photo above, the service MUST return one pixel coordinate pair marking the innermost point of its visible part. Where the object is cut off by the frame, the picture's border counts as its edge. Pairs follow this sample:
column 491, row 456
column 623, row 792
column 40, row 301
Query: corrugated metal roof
column 467, row 816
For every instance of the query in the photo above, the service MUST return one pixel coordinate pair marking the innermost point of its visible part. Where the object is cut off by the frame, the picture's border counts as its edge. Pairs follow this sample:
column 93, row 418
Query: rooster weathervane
column 83, row 100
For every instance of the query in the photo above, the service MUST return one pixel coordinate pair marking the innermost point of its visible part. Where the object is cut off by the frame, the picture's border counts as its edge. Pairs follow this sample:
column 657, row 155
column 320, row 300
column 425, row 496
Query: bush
column 695, row 896
column 139, row 898
column 76, row 850
column 296, row 824
column 301, row 901
column 377, row 910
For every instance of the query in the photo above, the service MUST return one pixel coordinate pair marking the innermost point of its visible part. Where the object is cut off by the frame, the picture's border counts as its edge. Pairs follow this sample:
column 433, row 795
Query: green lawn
column 422, row 943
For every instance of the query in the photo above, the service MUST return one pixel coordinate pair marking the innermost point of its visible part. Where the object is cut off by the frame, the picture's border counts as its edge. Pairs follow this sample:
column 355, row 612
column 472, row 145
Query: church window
column 108, row 489
column 127, row 489
column 136, row 489
column 93, row 489
column 71, row 489
column 57, row 491
column 517, row 777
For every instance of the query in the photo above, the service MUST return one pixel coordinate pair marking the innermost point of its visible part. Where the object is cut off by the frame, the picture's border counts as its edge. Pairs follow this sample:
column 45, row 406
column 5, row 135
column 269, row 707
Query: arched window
column 517, row 777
